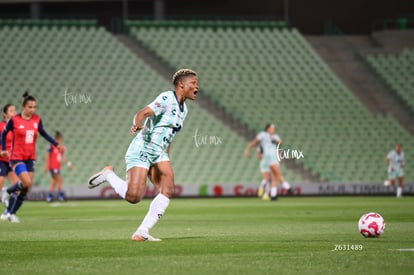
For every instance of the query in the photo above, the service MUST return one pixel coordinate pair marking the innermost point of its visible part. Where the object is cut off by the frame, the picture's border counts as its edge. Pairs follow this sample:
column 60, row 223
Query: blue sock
column 15, row 187
column 12, row 202
column 15, row 202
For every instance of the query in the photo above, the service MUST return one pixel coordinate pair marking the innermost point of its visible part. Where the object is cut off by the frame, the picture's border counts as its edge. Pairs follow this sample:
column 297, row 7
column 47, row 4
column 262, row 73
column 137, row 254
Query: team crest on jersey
column 21, row 126
column 35, row 125
column 143, row 156
column 157, row 104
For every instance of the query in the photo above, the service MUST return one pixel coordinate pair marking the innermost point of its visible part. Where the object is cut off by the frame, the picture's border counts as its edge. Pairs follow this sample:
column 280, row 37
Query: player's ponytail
column 26, row 98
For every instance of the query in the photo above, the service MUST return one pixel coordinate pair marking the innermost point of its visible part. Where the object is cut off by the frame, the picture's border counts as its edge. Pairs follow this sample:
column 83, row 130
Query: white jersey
column 268, row 142
column 396, row 161
column 160, row 129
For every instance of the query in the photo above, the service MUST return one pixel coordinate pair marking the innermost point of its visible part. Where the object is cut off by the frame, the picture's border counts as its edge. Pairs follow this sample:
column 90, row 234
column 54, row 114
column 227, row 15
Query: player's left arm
column 65, row 159
column 46, row 136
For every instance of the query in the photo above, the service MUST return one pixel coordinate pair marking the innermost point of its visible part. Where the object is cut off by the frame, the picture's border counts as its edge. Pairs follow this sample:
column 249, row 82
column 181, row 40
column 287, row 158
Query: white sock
column 273, row 191
column 118, row 184
column 267, row 187
column 286, row 185
column 399, row 191
column 155, row 212
column 263, row 183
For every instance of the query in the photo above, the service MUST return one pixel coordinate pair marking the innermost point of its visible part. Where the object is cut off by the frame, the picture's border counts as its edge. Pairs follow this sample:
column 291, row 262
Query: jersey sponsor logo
column 173, row 112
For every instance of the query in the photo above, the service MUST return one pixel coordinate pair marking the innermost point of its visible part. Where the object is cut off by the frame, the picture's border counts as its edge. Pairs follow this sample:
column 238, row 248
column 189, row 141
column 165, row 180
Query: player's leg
column 399, row 188
column 137, row 166
column 13, row 180
column 264, row 168
column 52, row 185
column 24, row 171
column 281, row 179
column 391, row 176
column 162, row 176
column 131, row 190
column 400, row 177
column 273, row 189
column 136, row 181
column 59, row 186
column 265, row 185
column 3, row 174
column 12, row 176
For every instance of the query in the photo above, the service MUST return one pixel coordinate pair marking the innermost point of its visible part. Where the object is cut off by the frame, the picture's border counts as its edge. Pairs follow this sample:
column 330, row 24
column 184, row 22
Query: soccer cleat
column 49, row 198
column 141, row 236
column 386, row 183
column 5, row 197
column 266, row 197
column 5, row 216
column 273, row 198
column 260, row 192
column 98, row 178
column 13, row 218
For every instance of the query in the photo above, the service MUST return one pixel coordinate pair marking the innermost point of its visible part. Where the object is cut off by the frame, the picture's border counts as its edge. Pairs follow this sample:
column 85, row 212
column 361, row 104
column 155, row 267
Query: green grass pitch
column 308, row 235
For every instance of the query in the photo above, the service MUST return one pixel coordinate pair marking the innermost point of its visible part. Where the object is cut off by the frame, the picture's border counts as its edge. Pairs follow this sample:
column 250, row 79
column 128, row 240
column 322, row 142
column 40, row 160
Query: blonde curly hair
column 180, row 74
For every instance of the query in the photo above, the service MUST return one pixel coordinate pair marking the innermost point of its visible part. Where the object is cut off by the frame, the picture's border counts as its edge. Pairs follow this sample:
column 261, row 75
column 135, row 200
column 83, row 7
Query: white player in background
column 264, row 186
column 268, row 141
column 395, row 163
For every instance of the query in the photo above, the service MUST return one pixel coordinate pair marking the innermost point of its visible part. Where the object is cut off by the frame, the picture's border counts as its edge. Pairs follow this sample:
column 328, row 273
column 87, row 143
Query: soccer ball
column 371, row 225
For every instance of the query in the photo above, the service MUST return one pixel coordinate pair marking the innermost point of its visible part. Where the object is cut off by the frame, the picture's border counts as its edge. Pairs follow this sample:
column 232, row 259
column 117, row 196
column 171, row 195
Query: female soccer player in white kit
column 395, row 163
column 270, row 160
column 147, row 154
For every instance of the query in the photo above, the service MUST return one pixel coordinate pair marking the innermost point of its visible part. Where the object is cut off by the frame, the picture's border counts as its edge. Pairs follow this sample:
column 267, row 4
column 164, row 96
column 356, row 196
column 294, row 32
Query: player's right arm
column 252, row 144
column 7, row 128
column 139, row 117
column 387, row 160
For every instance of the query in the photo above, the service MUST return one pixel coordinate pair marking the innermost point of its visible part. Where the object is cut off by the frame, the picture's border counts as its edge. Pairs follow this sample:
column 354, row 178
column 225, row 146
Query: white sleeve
column 159, row 105
column 260, row 136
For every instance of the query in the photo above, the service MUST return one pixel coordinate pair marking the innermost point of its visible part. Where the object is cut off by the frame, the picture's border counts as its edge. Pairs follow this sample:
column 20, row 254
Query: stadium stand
column 398, row 71
column 266, row 74
column 88, row 86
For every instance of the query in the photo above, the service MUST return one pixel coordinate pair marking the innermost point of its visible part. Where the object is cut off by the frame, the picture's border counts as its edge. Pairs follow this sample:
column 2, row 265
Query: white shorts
column 395, row 173
column 266, row 161
column 143, row 154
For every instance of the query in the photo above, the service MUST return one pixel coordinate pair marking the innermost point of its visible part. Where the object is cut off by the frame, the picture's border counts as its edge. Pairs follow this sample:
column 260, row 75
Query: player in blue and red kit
column 9, row 110
column 25, row 127
column 54, row 156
